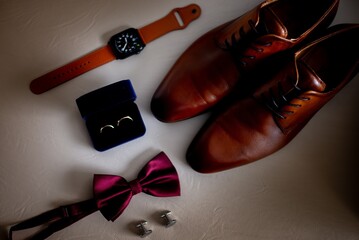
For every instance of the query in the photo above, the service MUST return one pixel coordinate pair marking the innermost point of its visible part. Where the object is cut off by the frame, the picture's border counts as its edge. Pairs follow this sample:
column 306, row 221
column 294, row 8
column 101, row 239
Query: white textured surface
column 308, row 190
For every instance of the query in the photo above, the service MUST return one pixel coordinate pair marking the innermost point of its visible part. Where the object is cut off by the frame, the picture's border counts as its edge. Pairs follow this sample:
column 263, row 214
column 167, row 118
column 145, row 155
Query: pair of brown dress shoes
column 270, row 70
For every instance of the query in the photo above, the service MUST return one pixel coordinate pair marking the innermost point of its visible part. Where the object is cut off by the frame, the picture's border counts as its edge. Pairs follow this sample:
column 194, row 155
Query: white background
column 307, row 190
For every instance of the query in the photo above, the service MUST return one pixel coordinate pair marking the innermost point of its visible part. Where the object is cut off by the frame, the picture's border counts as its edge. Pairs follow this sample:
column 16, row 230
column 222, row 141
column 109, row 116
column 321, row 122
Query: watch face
column 126, row 43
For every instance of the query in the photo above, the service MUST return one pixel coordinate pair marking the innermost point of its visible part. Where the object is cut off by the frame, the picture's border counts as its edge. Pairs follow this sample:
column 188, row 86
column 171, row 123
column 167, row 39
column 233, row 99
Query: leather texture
column 219, row 60
column 252, row 128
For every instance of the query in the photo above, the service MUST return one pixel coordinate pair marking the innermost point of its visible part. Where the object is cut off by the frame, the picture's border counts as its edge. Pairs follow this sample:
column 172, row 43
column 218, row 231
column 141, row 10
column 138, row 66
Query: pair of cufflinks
column 168, row 221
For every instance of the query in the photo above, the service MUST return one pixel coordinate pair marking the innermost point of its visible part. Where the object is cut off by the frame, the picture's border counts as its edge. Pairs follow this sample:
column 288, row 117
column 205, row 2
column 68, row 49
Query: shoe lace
column 276, row 103
column 245, row 38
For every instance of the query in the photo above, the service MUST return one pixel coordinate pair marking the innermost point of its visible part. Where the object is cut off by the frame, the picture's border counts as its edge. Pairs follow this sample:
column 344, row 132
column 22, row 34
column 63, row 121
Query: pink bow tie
column 112, row 194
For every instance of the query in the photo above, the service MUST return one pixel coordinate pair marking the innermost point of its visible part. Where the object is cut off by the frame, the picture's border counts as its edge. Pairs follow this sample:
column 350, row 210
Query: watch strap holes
column 71, row 70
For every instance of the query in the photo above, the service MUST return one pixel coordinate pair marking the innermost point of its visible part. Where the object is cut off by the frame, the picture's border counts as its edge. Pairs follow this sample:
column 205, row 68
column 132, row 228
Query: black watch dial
column 126, row 43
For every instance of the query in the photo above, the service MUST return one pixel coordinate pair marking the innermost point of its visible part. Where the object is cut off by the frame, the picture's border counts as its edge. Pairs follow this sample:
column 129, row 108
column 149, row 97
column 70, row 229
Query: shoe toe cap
column 232, row 139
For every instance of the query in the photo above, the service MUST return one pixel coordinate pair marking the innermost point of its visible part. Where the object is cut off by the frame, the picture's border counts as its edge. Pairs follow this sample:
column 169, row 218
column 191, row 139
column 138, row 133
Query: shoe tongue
column 308, row 79
column 271, row 23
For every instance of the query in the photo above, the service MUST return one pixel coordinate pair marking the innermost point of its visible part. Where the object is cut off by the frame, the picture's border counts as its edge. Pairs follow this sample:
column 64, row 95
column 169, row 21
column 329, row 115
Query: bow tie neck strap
column 56, row 219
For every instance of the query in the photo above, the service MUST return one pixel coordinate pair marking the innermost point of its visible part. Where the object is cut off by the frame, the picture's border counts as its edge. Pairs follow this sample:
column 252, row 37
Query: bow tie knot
column 135, row 186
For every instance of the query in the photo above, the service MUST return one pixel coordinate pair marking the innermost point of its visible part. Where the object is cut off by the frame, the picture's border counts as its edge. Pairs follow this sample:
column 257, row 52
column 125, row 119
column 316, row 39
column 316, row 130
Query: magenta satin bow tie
column 112, row 194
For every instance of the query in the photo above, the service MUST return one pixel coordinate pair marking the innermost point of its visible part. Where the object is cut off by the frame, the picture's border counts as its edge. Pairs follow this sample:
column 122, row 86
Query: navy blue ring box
column 111, row 115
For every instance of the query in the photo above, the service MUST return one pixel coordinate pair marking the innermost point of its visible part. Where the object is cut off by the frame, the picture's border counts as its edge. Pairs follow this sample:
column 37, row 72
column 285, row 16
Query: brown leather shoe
column 254, row 127
column 214, row 63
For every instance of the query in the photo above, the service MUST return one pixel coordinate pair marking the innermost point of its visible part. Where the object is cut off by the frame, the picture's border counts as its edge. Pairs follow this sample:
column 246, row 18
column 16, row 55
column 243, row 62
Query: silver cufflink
column 168, row 219
column 143, row 231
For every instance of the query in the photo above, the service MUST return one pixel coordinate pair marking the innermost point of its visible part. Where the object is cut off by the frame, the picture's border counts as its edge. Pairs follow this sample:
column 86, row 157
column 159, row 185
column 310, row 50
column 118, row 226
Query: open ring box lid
column 111, row 115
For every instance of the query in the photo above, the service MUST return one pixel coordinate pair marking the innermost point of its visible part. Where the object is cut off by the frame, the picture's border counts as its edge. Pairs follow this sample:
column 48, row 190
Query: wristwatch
column 120, row 46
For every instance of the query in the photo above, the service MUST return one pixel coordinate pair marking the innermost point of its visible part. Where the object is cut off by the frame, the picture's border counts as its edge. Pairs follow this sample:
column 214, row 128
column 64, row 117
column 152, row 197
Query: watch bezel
column 122, row 55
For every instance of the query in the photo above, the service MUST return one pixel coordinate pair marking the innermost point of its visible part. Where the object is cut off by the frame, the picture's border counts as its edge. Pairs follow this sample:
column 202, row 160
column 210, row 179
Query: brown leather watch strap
column 178, row 18
column 73, row 69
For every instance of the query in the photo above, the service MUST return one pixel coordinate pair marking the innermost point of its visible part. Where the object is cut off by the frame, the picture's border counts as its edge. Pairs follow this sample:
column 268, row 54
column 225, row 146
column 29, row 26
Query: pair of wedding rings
column 118, row 123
